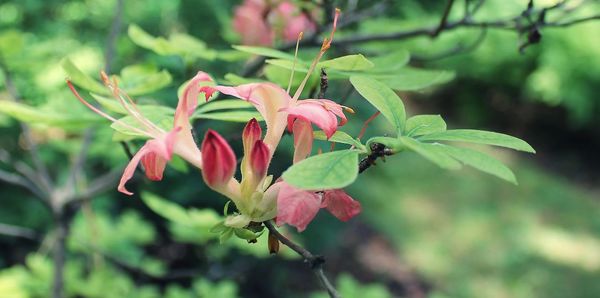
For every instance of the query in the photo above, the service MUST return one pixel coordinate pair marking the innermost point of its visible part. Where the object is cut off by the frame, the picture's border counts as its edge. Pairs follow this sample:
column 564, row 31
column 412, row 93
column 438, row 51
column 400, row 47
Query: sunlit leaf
column 383, row 98
column 232, row 116
column 432, row 152
column 348, row 63
column 390, row 62
column 266, row 52
column 480, row 161
column 81, row 79
column 330, row 170
column 415, row 79
column 481, row 137
column 223, row 104
column 424, row 124
column 339, row 137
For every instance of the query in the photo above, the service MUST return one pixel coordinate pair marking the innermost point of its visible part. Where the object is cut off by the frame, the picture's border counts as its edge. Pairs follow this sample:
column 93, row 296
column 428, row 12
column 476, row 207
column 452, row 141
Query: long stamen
column 100, row 112
column 324, row 47
column 295, row 59
column 130, row 107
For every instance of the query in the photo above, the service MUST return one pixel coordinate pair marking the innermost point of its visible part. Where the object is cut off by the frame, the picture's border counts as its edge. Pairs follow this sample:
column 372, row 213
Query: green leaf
column 409, row 79
column 225, row 235
column 141, row 37
column 289, row 65
column 480, row 137
column 390, row 62
column 147, row 83
column 37, row 115
column 166, row 209
column 383, row 98
column 234, row 79
column 340, row 137
column 391, row 143
column 330, row 170
column 355, row 62
column 424, row 124
column 432, row 152
column 81, row 79
column 114, row 106
column 223, row 104
column 481, row 162
column 184, row 45
column 266, row 52
column 231, row 116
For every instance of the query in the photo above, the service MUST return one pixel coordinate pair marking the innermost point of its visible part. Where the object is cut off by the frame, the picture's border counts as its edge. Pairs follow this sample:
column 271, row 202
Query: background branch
column 315, row 262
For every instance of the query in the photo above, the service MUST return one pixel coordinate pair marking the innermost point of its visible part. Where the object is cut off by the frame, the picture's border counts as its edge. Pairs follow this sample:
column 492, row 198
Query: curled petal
column 154, row 155
column 218, row 159
column 313, row 112
column 340, row 204
column 259, row 159
column 296, row 207
column 303, row 139
column 268, row 99
column 189, row 99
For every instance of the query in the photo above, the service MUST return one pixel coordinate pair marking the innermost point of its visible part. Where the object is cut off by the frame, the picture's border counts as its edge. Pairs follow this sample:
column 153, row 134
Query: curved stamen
column 130, row 107
column 324, row 47
column 100, row 112
column 295, row 59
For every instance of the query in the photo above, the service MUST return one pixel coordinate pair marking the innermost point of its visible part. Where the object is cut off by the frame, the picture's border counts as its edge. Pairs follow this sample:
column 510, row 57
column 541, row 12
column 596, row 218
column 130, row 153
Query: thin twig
column 41, row 171
column 315, row 262
column 15, row 231
column 444, row 18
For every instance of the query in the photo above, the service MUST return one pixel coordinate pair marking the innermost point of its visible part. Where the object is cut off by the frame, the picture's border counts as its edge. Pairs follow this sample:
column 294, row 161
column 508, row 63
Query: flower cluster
column 262, row 22
column 256, row 197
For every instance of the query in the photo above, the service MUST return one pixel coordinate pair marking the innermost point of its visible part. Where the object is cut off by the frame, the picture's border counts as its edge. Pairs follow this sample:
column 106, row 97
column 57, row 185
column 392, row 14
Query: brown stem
column 315, row 262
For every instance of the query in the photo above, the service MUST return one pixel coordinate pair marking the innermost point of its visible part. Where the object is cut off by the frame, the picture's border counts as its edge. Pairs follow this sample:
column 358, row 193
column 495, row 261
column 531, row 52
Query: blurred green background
column 423, row 231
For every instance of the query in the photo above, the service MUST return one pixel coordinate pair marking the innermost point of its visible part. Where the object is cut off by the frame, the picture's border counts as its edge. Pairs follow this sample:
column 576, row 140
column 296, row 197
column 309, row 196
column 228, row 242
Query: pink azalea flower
column 261, row 22
column 161, row 144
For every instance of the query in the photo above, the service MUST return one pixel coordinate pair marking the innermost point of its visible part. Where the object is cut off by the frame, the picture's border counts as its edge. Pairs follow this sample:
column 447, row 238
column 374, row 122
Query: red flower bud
column 252, row 133
column 218, row 159
column 259, row 159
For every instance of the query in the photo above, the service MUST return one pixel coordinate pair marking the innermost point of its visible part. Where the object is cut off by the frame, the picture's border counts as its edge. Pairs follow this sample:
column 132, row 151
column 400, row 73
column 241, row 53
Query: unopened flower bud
column 259, row 159
column 252, row 133
column 218, row 159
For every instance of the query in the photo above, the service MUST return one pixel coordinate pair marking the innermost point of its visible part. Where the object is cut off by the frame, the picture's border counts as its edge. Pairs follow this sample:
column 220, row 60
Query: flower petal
column 268, row 99
column 296, row 207
column 154, row 166
column 303, row 139
column 313, row 111
column 251, row 25
column 340, row 204
column 189, row 99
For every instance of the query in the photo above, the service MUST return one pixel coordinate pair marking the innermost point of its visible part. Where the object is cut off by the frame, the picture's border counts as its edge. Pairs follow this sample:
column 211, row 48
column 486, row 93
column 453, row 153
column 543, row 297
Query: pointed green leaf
column 331, row 170
column 391, row 62
column 415, row 79
column 481, row 137
column 339, row 137
column 81, row 79
column 166, row 209
column 383, row 98
column 480, row 161
column 432, row 152
column 355, row 62
column 391, row 143
column 231, row 116
column 424, row 124
column 266, row 52
column 223, row 104
column 147, row 83
column 36, row 115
